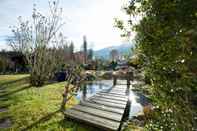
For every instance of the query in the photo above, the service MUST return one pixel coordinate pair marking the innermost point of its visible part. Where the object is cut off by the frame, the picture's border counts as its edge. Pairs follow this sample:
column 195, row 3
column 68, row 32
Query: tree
column 166, row 37
column 85, row 49
column 90, row 54
column 61, row 53
column 4, row 64
column 33, row 39
column 71, row 50
column 75, row 79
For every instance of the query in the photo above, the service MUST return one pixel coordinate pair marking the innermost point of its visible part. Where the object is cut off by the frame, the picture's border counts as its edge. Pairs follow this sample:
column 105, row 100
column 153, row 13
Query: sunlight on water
column 135, row 107
column 91, row 89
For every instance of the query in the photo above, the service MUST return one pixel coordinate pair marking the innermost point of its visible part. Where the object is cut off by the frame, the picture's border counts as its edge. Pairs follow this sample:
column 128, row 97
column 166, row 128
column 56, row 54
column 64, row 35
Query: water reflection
column 135, row 107
column 91, row 88
column 84, row 92
column 137, row 100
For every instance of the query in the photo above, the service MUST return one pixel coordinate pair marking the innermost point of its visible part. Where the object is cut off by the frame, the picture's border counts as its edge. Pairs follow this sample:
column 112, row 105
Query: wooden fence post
column 115, row 80
column 65, row 95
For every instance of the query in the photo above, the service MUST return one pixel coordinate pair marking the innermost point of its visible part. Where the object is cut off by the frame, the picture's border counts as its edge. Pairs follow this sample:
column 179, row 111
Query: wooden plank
column 117, row 92
column 108, row 100
column 116, row 88
column 120, row 87
column 95, row 120
column 112, row 97
column 105, row 109
column 102, row 107
column 121, row 82
column 108, row 104
column 115, row 95
column 100, row 113
column 103, row 92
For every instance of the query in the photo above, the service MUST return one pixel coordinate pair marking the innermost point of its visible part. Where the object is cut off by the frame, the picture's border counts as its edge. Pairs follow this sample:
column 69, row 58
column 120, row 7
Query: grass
column 35, row 109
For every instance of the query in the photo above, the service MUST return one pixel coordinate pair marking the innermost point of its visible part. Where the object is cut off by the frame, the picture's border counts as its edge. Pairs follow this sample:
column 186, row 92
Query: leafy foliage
column 166, row 36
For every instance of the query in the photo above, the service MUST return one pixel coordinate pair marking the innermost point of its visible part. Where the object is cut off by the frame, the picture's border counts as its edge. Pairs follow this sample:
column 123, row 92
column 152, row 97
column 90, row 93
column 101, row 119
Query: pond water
column 137, row 100
column 91, row 88
column 136, row 107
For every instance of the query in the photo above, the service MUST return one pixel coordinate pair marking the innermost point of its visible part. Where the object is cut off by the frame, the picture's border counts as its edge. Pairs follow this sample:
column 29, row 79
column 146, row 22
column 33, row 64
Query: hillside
column 123, row 49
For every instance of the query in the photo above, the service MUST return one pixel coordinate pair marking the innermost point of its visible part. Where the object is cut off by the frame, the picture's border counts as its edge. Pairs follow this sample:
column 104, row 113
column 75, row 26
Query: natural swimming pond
column 138, row 101
column 91, row 88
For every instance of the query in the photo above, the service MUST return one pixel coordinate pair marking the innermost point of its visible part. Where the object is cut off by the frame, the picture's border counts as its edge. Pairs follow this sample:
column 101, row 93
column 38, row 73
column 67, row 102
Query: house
column 79, row 57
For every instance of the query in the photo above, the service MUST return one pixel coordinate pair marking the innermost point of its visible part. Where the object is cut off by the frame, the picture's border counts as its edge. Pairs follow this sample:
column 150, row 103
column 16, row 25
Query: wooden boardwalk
column 104, row 110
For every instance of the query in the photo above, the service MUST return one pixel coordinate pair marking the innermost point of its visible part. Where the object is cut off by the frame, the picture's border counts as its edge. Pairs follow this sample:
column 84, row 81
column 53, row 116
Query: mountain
column 123, row 49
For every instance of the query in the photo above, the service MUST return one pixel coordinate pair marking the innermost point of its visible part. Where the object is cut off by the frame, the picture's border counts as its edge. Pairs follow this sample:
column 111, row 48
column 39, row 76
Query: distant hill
column 122, row 49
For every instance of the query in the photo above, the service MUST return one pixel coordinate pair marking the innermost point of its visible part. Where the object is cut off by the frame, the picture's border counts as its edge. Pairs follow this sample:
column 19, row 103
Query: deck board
column 104, row 110
column 95, row 120
column 100, row 113
column 109, row 100
column 106, row 103
column 102, row 107
column 115, row 93
column 112, row 97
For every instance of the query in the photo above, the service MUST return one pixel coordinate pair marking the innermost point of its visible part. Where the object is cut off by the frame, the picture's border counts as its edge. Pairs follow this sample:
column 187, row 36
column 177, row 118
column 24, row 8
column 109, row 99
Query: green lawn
column 35, row 109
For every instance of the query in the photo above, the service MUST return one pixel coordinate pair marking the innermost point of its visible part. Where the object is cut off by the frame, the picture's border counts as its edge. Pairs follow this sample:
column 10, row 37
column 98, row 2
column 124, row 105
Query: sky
column 92, row 18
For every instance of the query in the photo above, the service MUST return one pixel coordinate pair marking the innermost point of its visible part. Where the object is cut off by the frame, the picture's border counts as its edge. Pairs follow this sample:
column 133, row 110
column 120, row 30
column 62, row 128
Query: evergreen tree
column 90, row 54
column 85, row 49
column 71, row 50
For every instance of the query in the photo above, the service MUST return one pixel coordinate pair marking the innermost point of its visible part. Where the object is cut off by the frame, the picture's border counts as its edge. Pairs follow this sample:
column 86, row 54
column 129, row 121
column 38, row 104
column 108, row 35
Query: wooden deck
column 104, row 110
